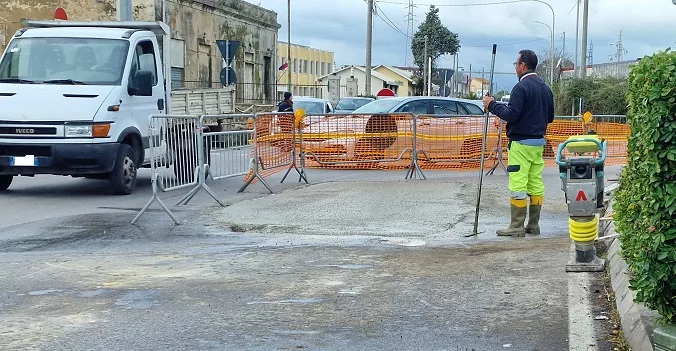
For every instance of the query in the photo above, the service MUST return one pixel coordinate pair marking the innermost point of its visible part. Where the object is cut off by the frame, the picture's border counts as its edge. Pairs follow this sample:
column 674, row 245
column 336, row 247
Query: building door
column 267, row 72
column 204, row 65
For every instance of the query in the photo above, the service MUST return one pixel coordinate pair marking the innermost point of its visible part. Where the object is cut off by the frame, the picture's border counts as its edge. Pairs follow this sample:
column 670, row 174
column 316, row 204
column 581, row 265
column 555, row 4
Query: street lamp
column 551, row 74
column 551, row 48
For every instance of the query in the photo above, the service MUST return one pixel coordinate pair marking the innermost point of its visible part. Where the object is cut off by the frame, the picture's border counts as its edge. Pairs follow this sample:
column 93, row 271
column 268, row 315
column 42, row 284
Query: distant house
column 396, row 74
column 479, row 84
column 378, row 80
column 307, row 65
column 445, row 81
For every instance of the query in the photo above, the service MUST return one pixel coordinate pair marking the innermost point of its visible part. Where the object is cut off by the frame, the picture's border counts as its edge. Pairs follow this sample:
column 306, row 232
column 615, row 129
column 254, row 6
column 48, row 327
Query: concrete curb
column 637, row 320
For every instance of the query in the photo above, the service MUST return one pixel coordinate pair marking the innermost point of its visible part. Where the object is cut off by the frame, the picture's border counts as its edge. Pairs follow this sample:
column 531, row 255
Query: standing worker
column 530, row 109
column 287, row 104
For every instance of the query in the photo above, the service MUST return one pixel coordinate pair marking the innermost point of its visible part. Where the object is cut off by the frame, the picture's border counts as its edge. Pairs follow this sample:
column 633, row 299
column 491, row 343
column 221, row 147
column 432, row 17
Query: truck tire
column 123, row 177
column 5, row 181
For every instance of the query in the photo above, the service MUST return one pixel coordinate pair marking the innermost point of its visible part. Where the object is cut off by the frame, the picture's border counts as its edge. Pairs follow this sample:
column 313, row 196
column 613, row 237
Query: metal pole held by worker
column 483, row 147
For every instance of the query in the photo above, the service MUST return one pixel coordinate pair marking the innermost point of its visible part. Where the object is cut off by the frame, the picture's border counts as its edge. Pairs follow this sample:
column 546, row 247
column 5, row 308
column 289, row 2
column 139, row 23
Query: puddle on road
column 290, row 301
column 348, row 266
column 44, row 292
column 141, row 299
column 94, row 293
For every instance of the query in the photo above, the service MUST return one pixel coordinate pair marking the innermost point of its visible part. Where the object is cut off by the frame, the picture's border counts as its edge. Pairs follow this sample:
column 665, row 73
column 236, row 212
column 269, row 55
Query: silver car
column 349, row 104
column 312, row 105
column 424, row 105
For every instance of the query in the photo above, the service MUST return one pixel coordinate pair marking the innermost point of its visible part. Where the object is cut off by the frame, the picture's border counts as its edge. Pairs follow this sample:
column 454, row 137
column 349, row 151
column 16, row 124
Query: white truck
column 75, row 99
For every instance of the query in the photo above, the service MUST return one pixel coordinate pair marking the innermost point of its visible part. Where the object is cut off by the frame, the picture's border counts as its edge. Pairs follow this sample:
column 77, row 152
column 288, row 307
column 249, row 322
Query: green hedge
column 602, row 96
column 645, row 208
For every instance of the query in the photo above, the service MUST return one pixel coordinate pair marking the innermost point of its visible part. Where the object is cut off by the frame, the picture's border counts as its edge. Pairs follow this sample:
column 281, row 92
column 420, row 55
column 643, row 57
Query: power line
column 388, row 21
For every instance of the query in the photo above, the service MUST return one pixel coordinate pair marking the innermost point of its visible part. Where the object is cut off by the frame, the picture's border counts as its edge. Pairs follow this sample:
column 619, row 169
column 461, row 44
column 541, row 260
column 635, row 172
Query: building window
column 177, row 54
column 317, row 67
column 305, row 67
column 177, row 80
column 295, row 66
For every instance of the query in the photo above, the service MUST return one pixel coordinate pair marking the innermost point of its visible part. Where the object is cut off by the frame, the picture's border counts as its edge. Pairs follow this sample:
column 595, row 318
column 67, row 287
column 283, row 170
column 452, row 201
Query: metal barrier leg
column 187, row 197
column 201, row 185
column 256, row 176
column 498, row 150
column 301, row 171
column 154, row 198
column 414, row 169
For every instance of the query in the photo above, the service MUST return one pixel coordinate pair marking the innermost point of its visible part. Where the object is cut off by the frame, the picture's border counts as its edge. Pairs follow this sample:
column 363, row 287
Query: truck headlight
column 78, row 131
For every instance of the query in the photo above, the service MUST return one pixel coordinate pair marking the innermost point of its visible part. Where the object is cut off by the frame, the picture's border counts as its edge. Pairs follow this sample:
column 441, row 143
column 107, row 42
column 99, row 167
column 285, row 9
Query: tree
column 440, row 40
column 544, row 63
column 601, row 96
column 500, row 94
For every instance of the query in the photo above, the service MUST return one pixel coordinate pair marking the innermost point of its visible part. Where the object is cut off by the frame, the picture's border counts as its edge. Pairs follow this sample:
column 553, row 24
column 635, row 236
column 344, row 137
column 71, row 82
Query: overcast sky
column 340, row 26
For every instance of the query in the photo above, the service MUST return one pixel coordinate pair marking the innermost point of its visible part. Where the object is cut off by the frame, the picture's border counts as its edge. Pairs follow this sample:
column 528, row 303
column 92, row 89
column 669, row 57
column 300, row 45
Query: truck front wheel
column 5, row 181
column 123, row 176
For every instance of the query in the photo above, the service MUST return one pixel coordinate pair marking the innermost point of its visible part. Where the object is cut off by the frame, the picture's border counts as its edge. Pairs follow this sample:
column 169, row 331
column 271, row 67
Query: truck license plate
column 26, row 161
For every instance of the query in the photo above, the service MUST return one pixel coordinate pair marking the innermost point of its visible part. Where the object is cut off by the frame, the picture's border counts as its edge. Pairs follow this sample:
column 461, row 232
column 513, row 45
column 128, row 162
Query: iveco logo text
column 25, row 131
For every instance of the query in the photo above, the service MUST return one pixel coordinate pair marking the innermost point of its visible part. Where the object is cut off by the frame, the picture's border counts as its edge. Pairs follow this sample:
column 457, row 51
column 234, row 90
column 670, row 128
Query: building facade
column 195, row 25
column 408, row 85
column 307, row 65
column 618, row 70
column 358, row 74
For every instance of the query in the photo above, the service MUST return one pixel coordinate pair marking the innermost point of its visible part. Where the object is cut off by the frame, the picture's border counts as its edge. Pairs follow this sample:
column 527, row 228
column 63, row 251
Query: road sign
column 228, row 49
column 385, row 93
column 228, row 76
column 60, row 14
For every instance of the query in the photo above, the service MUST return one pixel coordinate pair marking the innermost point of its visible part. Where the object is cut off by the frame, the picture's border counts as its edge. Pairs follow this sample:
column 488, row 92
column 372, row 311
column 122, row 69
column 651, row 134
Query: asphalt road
column 356, row 260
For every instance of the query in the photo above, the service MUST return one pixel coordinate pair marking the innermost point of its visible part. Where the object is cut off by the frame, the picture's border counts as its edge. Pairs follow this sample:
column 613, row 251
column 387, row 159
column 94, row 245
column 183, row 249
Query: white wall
column 376, row 84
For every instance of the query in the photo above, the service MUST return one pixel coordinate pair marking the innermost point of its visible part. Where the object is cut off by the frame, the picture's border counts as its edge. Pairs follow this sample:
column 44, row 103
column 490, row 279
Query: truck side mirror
column 141, row 84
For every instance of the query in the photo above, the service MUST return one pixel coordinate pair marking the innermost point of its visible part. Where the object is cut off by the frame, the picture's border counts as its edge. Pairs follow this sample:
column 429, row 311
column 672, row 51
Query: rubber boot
column 533, row 226
column 516, row 227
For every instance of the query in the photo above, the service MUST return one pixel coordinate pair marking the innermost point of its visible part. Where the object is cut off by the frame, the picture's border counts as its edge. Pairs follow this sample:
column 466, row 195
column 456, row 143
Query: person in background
column 287, row 104
column 529, row 110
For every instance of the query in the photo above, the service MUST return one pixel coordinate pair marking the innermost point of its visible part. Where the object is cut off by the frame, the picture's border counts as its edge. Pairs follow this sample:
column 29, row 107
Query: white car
column 312, row 105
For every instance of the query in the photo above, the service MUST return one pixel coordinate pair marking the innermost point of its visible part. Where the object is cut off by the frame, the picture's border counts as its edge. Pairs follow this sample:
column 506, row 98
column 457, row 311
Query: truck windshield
column 64, row 61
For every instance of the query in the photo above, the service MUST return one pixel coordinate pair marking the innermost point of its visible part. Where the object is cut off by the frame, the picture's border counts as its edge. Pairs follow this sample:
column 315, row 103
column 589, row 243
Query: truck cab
column 76, row 98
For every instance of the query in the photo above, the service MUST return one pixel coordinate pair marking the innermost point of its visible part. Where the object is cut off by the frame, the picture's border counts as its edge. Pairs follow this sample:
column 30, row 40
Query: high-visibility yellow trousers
column 525, row 165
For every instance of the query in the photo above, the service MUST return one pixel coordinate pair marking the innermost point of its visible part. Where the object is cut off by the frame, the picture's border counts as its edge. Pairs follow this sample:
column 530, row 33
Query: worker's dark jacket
column 530, row 109
column 285, row 106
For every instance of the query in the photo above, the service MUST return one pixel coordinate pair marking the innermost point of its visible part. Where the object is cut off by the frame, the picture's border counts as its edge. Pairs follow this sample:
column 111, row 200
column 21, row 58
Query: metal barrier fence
column 358, row 141
column 176, row 142
column 274, row 148
column 184, row 154
column 229, row 151
column 613, row 128
column 423, row 142
column 452, row 141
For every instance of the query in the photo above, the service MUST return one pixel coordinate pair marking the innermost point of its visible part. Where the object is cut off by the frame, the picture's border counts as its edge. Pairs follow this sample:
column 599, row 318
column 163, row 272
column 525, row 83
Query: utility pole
column 424, row 74
column 453, row 76
column 577, row 36
column 585, row 21
column 563, row 56
column 469, row 86
column 482, row 83
column 369, row 39
column 429, row 76
column 288, row 47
